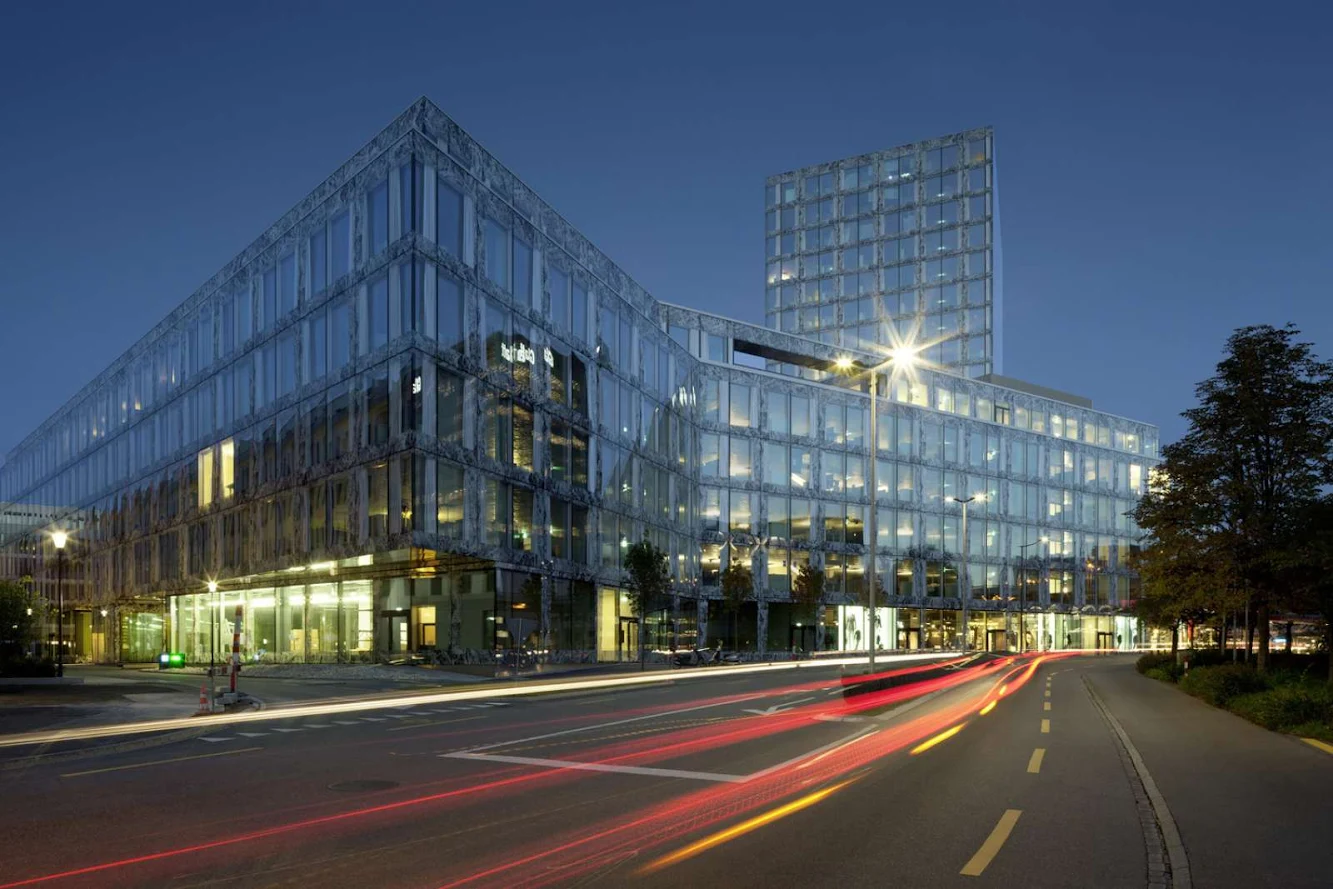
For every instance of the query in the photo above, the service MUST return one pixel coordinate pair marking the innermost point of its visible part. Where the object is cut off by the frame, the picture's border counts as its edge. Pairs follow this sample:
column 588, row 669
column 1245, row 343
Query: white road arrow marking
column 778, row 708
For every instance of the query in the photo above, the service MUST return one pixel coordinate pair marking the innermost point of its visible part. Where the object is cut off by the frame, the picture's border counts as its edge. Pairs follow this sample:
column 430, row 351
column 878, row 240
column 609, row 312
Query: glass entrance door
column 627, row 643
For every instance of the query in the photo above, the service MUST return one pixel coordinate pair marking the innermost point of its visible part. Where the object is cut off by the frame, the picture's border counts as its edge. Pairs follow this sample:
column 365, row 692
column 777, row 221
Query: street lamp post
column 59, row 539
column 901, row 358
column 213, row 606
column 965, row 594
column 1023, row 590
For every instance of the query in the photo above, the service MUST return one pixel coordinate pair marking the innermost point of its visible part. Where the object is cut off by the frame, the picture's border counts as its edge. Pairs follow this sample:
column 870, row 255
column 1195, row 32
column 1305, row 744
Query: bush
column 1286, row 707
column 1162, row 674
column 1217, row 685
column 1154, row 659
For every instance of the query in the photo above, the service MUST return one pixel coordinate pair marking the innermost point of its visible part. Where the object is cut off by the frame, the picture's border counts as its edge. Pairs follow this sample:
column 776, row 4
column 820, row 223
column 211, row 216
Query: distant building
column 422, row 411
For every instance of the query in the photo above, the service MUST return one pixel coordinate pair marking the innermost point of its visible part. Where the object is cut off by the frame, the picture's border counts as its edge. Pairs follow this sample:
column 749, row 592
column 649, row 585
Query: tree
column 1254, row 458
column 21, row 617
column 737, row 587
column 807, row 592
column 648, row 584
column 1309, row 569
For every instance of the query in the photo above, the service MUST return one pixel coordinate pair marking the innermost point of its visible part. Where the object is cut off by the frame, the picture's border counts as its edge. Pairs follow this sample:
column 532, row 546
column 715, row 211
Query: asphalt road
column 755, row 779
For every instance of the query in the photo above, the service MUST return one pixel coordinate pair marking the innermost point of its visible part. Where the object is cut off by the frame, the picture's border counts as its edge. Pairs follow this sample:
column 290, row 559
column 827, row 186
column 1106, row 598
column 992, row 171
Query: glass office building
column 895, row 245
column 421, row 411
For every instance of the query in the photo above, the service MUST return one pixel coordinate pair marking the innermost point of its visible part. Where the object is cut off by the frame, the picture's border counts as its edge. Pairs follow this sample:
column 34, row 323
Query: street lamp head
column 905, row 356
column 212, row 586
column 103, row 612
column 59, row 539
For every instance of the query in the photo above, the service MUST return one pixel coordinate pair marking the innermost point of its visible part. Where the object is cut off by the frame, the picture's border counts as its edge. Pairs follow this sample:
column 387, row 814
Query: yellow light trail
column 989, row 707
column 938, row 739
column 741, row 829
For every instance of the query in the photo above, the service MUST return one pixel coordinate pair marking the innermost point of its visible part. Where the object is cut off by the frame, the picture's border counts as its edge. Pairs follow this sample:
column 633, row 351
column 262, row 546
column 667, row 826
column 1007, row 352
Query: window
column 340, row 246
column 497, row 254
column 269, row 294
column 411, row 312
column 377, row 314
column 449, row 218
column 286, row 363
column 340, row 336
column 448, row 311
column 377, row 217
column 377, row 506
column 409, row 180
column 319, row 261
column 318, row 352
column 741, row 463
column 448, row 407
column 800, row 415
column 286, row 284
column 377, row 405
column 579, row 313
column 448, row 498
column 523, row 271
column 496, row 336
column 742, row 405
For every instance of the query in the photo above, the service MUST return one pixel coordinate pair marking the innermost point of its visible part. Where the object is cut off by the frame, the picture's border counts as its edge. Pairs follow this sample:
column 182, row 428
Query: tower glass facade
column 896, row 245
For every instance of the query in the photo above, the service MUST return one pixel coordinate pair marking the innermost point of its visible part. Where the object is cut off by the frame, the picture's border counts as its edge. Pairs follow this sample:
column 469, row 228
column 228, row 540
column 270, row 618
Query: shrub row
column 1286, row 700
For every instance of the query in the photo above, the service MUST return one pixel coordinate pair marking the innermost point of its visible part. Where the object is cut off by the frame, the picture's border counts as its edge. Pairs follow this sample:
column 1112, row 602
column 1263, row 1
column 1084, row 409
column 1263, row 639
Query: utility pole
column 213, row 607
column 965, row 593
column 60, row 538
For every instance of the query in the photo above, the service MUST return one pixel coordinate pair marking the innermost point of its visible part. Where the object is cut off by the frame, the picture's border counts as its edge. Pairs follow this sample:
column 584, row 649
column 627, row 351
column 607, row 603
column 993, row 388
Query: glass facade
column 898, row 245
column 422, row 412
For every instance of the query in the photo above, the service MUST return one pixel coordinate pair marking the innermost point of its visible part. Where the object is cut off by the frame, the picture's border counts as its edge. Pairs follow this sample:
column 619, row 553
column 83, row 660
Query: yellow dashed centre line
column 1048, row 692
column 1045, row 726
column 1046, row 706
column 989, row 849
column 1034, row 764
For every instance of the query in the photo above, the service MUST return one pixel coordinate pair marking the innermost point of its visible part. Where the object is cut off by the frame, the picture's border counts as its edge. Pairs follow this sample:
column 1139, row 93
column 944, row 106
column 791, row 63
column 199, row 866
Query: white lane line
column 345, row 722
column 252, row 734
column 809, row 753
column 582, row 686
column 372, row 718
column 216, row 740
column 320, row 725
column 397, row 716
column 825, row 717
column 496, row 703
column 288, row 730
column 599, row 767
column 447, row 710
column 600, row 725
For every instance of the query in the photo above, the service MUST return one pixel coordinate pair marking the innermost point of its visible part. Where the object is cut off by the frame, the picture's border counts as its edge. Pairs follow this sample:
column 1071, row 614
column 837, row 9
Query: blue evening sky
column 1164, row 174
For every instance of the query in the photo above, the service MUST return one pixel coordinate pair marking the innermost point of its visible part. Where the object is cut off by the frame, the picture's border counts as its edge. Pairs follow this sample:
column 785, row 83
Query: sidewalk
column 1254, row 808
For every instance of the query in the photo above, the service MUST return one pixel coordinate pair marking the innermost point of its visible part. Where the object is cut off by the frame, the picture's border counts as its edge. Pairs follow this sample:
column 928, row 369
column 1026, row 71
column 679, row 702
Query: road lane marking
column 346, row 722
column 825, row 748
column 989, row 849
column 1319, row 745
column 1045, row 726
column 1046, row 705
column 665, row 681
column 252, row 734
column 216, row 740
column 160, row 762
column 1034, row 764
column 598, row 767
column 287, row 730
column 600, row 725
column 744, row 827
column 403, row 728
column 989, row 707
column 938, row 739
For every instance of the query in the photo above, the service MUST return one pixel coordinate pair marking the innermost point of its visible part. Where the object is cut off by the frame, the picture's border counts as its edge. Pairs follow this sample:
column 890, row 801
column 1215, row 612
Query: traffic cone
column 203, row 700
